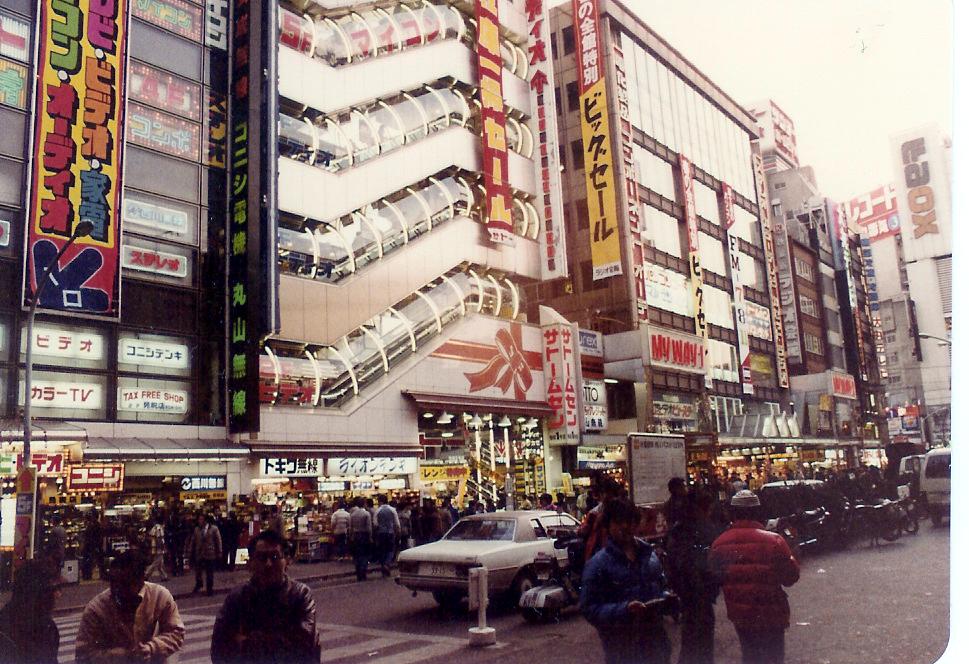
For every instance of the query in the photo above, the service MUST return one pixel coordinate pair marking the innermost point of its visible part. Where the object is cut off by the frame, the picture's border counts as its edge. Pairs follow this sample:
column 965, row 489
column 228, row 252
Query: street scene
column 399, row 331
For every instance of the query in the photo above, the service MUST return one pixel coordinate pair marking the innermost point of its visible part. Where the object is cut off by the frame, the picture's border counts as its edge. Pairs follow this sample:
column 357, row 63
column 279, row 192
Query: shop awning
column 47, row 432
column 161, row 449
column 300, row 450
column 602, row 439
column 433, row 400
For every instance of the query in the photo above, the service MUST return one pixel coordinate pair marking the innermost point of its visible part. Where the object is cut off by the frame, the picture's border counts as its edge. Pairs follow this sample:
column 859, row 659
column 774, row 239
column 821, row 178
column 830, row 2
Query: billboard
column 600, row 177
column 77, row 155
column 922, row 183
column 251, row 237
column 696, row 271
column 562, row 380
column 494, row 145
column 727, row 200
column 544, row 127
column 875, row 214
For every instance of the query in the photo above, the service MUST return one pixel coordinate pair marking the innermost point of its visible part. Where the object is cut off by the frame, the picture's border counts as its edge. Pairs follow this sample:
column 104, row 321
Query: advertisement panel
column 600, row 184
column 156, row 262
column 182, row 18
column 653, row 460
column 165, row 91
column 65, row 394
column 676, row 350
column 442, row 473
column 596, row 417
column 152, row 353
column 67, row 344
column 558, row 361
column 78, row 152
column 590, row 343
column 696, row 271
column 544, row 127
column 494, row 144
column 843, row 385
column 163, row 132
column 13, row 84
column 282, row 467
column 758, row 321
column 14, row 38
column 152, row 400
column 160, row 218
column 922, row 183
column 96, row 477
column 339, row 466
column 251, row 239
column 737, row 285
column 762, row 370
column 667, row 290
column 875, row 214
column 773, row 278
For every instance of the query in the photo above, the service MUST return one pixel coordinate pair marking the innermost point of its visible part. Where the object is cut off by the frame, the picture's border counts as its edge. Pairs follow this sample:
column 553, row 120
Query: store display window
column 142, row 352
column 68, row 396
column 60, row 345
column 153, row 400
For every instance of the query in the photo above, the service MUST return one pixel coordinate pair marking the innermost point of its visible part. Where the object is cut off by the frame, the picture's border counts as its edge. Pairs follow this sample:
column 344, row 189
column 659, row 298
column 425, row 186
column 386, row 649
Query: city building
column 778, row 141
column 127, row 394
column 669, row 249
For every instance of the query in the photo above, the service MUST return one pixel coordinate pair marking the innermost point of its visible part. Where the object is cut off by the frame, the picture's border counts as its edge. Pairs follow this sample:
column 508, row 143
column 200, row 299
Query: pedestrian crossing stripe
column 341, row 643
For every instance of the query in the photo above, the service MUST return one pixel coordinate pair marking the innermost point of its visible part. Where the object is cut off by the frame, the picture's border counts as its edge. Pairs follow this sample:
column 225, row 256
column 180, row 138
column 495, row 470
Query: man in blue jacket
column 623, row 589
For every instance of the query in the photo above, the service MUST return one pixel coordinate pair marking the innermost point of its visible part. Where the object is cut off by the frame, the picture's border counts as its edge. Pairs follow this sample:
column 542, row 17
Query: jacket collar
column 746, row 523
column 642, row 549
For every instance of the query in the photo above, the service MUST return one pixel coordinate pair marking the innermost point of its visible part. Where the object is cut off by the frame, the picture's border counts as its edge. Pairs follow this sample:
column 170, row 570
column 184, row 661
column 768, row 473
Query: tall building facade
column 124, row 133
column 670, row 255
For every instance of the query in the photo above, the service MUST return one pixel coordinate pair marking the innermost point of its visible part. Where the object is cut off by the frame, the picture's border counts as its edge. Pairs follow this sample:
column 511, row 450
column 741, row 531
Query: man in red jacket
column 752, row 565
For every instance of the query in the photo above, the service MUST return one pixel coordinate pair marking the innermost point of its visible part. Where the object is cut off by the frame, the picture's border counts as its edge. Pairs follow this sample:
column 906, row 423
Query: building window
column 812, row 344
column 577, row 160
column 809, row 306
column 803, row 269
column 568, row 40
column 893, row 358
column 582, row 212
column 780, row 185
column 585, row 275
column 572, row 94
column 558, row 101
column 555, row 46
column 776, row 210
column 890, row 338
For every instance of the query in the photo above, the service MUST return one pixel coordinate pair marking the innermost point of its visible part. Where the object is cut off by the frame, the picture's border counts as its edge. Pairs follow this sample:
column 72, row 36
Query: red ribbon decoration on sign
column 506, row 367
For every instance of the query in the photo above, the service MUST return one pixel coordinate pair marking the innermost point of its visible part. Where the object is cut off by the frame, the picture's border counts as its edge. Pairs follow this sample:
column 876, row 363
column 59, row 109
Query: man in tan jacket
column 206, row 552
column 132, row 621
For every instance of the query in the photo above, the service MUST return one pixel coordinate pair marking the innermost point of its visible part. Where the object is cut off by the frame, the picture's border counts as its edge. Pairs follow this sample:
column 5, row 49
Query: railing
column 328, row 376
column 330, row 251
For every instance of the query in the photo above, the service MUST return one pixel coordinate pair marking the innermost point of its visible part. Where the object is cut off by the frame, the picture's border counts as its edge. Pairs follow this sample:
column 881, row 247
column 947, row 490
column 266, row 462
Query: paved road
column 864, row 606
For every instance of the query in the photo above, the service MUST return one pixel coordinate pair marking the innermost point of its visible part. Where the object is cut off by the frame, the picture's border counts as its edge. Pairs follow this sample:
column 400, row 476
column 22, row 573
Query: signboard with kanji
column 559, row 356
column 203, row 483
column 96, row 477
column 339, row 466
column 282, row 467
column 67, row 344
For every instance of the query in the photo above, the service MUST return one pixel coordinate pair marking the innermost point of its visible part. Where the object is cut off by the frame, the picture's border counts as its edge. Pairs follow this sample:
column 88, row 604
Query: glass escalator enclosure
column 361, row 239
column 297, row 381
column 389, row 125
column 296, row 254
column 296, row 138
column 364, row 356
column 295, row 31
column 336, row 385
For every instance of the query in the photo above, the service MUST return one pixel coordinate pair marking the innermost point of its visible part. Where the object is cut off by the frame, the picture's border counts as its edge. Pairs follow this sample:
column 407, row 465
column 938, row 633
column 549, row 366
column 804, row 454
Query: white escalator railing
column 297, row 374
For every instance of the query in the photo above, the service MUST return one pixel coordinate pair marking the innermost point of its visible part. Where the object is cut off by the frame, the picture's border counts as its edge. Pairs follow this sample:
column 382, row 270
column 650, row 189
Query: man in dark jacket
column 28, row 633
column 752, row 565
column 623, row 592
column 270, row 619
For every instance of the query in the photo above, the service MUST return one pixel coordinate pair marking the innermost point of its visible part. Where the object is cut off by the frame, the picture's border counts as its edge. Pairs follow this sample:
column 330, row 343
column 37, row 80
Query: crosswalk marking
column 347, row 643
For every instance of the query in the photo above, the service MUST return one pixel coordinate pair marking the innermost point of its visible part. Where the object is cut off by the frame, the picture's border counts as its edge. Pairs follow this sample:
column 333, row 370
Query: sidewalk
column 75, row 596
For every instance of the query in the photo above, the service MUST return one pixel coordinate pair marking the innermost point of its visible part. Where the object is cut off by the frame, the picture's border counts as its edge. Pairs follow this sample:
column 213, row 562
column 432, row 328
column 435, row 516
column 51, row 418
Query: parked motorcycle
column 559, row 584
column 880, row 521
column 910, row 515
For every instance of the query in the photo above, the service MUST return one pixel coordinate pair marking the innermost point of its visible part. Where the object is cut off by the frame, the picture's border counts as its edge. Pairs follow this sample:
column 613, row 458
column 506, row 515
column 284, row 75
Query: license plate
column 529, row 600
column 436, row 569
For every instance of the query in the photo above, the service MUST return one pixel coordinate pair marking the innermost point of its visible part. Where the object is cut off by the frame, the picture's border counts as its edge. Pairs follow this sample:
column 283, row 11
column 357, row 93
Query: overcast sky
column 849, row 73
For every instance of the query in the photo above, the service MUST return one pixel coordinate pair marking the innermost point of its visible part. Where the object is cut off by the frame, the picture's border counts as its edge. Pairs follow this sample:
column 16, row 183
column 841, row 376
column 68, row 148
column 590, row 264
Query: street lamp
column 942, row 342
column 83, row 229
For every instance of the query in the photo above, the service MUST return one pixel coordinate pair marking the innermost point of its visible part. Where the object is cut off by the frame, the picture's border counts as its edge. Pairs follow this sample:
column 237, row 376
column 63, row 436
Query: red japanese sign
column 494, row 144
column 843, row 385
column 875, row 212
column 162, row 90
column 77, row 154
column 96, row 477
column 559, row 338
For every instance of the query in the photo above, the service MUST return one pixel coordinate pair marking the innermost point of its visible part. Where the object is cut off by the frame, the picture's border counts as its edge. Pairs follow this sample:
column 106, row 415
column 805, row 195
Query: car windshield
column 938, row 466
column 493, row 530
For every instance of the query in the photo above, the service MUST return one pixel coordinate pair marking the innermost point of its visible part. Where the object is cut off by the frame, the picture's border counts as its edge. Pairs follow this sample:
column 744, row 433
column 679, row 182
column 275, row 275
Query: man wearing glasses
column 272, row 618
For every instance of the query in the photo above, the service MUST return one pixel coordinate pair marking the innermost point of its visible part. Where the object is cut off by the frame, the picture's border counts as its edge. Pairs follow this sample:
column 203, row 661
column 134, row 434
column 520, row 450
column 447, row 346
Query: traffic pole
column 482, row 635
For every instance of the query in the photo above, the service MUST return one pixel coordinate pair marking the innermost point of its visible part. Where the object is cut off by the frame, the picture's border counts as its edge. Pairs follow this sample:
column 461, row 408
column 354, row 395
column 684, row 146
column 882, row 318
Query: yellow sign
column 449, row 473
column 600, row 182
column 202, row 495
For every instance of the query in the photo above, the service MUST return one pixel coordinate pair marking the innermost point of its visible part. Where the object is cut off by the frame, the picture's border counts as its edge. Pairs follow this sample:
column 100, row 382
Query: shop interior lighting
column 531, row 424
column 428, row 415
column 447, row 434
column 476, row 421
column 445, row 418
column 611, row 381
column 520, row 419
column 504, row 421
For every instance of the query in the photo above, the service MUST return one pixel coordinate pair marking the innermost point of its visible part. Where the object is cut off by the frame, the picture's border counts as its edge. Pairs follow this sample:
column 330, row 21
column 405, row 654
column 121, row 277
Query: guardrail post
column 482, row 635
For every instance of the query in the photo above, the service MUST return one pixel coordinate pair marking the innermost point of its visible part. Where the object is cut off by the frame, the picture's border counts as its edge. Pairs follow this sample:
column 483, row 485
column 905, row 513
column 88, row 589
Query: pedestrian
column 688, row 547
column 624, row 590
column 57, row 542
column 272, row 618
column 406, row 528
column 361, row 535
column 131, row 621
column 91, row 546
column 276, row 521
column 340, row 524
column 206, row 552
column 592, row 529
column 156, row 547
column 387, row 530
column 28, row 633
column 230, row 541
column 432, row 527
column 752, row 564
column 675, row 505
column 545, row 502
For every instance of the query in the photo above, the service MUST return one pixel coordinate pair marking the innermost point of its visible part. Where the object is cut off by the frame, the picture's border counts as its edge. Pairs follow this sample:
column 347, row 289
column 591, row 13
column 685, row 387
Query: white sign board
column 60, row 394
column 654, row 459
column 68, row 344
column 152, row 400
column 152, row 353
column 594, row 405
column 143, row 213
column 291, row 467
column 338, row 467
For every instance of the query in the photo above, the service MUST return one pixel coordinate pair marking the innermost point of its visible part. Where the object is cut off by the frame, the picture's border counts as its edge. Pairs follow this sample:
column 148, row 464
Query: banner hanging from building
column 773, row 283
column 600, row 177
column 737, row 285
column 544, row 128
column 253, row 208
column 78, row 150
column 559, row 356
column 922, row 183
column 696, row 271
column 494, row 143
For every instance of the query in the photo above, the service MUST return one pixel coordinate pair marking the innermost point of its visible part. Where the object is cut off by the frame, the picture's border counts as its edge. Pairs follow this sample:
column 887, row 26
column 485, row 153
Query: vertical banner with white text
column 600, row 178
column 77, row 155
column 494, row 143
column 737, row 286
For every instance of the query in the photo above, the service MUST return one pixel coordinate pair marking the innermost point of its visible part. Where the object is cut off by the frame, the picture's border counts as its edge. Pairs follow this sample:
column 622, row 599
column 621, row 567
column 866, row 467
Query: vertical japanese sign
column 253, row 278
column 559, row 355
column 696, row 271
column 600, row 184
column 544, row 127
column 773, row 283
column 78, row 148
column 630, row 192
column 494, row 144
column 737, row 286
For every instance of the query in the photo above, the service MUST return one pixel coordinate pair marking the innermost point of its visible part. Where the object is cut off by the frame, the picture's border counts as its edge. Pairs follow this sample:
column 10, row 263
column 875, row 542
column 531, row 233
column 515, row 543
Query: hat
column 745, row 498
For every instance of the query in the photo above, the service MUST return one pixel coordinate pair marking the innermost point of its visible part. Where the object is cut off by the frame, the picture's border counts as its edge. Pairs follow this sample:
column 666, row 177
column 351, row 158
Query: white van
column 936, row 482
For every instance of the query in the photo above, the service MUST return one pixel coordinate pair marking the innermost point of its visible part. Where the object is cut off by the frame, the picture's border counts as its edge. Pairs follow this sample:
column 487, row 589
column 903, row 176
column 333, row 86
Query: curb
column 224, row 590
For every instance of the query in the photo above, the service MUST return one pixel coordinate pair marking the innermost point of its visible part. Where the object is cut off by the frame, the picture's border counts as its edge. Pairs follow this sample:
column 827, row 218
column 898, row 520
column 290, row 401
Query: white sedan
column 504, row 542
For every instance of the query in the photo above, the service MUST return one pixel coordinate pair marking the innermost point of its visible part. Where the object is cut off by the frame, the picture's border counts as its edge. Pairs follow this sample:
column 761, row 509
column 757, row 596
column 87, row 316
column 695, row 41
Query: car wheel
column 524, row 582
column 448, row 599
